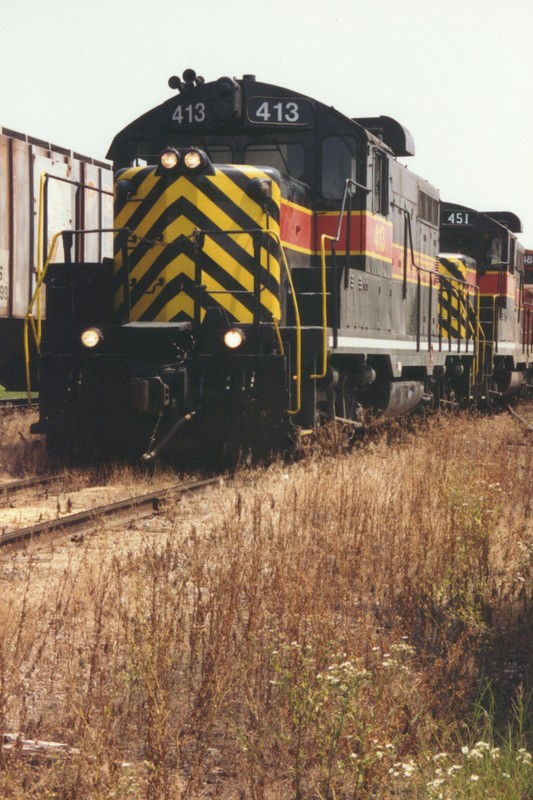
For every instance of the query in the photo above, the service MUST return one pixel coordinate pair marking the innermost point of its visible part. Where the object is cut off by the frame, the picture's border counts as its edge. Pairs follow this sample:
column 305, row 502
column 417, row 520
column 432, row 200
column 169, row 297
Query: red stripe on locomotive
column 497, row 283
column 369, row 234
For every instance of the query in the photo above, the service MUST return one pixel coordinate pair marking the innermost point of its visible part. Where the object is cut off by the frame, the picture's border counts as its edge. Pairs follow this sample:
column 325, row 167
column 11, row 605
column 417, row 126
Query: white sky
column 457, row 73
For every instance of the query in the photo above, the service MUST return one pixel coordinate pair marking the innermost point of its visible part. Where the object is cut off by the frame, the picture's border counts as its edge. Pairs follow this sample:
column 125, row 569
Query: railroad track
column 12, row 487
column 520, row 418
column 7, row 405
column 135, row 507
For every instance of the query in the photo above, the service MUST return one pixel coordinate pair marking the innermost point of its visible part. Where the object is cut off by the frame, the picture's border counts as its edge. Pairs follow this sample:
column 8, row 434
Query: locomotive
column 275, row 267
column 489, row 241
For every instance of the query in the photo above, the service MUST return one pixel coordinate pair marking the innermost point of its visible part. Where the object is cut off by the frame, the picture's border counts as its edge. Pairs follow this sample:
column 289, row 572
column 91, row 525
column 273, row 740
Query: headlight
column 234, row 338
column 90, row 337
column 265, row 187
column 260, row 189
column 193, row 159
column 169, row 158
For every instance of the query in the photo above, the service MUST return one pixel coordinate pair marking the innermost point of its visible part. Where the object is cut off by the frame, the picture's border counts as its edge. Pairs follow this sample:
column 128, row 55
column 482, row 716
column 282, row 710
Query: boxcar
column 43, row 190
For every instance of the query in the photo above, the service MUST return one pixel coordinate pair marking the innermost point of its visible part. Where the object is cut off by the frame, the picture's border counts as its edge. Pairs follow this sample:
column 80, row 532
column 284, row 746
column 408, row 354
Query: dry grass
column 313, row 631
column 21, row 453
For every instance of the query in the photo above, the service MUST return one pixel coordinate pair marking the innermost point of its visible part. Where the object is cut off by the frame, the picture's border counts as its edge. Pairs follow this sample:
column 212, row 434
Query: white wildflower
column 436, row 783
column 453, row 769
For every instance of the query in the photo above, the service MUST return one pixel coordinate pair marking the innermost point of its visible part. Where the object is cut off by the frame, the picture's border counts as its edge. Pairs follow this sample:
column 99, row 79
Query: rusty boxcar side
column 43, row 189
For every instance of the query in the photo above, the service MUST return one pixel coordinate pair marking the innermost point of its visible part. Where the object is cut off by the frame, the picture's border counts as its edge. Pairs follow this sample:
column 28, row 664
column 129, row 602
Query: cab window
column 285, row 157
column 338, row 164
column 494, row 251
column 380, row 199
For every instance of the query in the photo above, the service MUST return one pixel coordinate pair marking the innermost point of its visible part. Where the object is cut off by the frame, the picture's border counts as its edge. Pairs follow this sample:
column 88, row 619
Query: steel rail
column 13, row 403
column 142, row 506
column 20, row 484
column 517, row 416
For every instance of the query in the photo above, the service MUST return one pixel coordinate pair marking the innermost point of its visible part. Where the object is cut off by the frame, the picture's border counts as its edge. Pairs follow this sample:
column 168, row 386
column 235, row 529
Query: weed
column 315, row 630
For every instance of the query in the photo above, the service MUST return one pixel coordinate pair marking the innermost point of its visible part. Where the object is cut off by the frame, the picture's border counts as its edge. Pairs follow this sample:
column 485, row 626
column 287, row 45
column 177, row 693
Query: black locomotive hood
column 224, row 105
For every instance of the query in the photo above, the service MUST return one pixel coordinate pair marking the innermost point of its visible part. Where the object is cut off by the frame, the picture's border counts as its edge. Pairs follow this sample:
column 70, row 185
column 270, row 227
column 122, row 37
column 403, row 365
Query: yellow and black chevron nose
column 456, row 312
column 192, row 242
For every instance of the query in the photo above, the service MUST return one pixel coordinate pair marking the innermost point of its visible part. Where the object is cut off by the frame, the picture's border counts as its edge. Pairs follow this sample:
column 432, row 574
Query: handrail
column 349, row 183
column 29, row 320
column 408, row 242
column 278, row 336
column 527, row 328
column 495, row 327
column 463, row 288
column 479, row 367
column 40, row 245
column 480, row 340
column 323, row 240
column 296, row 410
column 45, row 177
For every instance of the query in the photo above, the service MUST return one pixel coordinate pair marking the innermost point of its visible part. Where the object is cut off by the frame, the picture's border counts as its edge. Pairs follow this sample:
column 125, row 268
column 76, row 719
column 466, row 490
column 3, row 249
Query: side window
column 338, row 164
column 145, row 160
column 494, row 250
column 512, row 254
column 380, row 184
column 146, row 152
